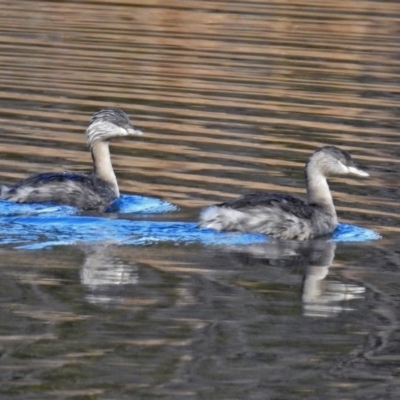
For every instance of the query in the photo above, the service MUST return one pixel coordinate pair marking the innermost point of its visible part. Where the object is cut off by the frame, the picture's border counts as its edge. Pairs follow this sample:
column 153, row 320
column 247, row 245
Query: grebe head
column 108, row 124
column 330, row 160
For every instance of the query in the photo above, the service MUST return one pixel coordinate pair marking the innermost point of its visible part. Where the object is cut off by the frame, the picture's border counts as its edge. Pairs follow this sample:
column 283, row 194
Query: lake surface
column 232, row 97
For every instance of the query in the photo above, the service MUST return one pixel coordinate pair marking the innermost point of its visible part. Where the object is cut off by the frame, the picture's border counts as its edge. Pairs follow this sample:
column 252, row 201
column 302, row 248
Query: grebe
column 95, row 191
column 283, row 216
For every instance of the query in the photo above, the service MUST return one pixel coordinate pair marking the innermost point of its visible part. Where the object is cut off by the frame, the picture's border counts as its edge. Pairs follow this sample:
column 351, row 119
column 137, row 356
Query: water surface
column 232, row 97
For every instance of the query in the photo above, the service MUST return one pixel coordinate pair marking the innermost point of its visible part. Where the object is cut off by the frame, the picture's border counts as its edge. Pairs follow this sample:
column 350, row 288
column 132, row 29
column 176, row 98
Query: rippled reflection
column 324, row 297
column 321, row 295
column 103, row 274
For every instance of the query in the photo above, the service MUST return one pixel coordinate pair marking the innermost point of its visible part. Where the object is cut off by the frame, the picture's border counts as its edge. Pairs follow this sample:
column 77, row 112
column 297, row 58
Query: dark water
column 232, row 97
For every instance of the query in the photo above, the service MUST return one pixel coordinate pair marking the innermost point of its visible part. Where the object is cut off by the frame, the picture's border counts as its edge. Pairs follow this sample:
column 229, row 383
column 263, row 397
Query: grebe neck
column 103, row 168
column 318, row 192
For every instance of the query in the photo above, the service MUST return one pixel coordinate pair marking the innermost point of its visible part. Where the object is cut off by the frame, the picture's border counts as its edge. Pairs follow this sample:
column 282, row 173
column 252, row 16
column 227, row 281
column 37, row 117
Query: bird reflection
column 326, row 297
column 321, row 296
column 105, row 276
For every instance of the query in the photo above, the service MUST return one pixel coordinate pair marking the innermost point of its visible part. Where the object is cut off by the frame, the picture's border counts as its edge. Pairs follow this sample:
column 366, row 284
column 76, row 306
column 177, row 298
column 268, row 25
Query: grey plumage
column 95, row 191
column 284, row 216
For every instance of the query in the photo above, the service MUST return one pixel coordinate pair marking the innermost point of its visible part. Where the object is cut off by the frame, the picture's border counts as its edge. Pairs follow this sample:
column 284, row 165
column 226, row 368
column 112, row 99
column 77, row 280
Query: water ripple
column 126, row 204
column 45, row 226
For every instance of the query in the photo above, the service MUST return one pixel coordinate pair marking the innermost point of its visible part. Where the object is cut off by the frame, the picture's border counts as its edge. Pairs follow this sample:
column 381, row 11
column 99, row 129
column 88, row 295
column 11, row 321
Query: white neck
column 318, row 190
column 102, row 164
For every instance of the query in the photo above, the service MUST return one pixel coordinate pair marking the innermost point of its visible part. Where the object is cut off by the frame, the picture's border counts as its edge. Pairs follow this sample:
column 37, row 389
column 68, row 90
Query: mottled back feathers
column 86, row 192
column 286, row 203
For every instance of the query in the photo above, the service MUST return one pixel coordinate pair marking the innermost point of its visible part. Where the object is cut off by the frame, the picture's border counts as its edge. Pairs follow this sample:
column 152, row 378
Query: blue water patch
column 134, row 204
column 353, row 233
column 8, row 208
column 126, row 204
column 41, row 231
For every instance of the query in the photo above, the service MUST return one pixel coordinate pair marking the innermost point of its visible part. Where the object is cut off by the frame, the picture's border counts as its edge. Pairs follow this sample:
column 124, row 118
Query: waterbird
column 283, row 216
column 94, row 191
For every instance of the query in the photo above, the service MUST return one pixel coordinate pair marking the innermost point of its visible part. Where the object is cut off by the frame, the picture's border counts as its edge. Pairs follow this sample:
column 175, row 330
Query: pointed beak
column 356, row 171
column 132, row 131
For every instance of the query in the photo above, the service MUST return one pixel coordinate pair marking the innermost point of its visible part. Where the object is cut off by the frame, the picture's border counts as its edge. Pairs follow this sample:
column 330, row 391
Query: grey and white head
column 330, row 160
column 108, row 124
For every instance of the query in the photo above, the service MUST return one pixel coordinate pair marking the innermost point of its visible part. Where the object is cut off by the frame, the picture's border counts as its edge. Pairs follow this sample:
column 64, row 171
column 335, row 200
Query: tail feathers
column 221, row 219
column 209, row 218
column 3, row 192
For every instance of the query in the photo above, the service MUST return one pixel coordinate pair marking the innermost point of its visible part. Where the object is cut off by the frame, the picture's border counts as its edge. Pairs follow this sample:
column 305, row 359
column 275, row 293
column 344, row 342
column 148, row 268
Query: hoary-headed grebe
column 95, row 191
column 286, row 217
